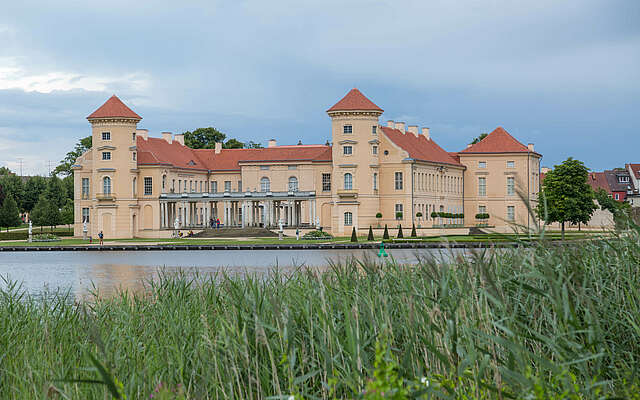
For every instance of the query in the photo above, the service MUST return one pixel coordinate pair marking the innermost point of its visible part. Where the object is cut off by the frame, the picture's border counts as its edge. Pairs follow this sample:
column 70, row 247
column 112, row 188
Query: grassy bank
column 543, row 322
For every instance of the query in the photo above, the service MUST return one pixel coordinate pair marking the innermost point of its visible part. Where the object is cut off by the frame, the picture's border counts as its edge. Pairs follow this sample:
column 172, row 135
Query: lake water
column 107, row 271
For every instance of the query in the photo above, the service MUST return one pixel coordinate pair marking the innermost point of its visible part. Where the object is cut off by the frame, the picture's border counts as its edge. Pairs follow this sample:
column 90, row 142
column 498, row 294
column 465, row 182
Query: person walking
column 218, row 223
column 101, row 237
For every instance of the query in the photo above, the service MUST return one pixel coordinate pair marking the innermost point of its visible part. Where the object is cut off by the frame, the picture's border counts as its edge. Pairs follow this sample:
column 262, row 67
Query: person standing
column 218, row 223
column 101, row 237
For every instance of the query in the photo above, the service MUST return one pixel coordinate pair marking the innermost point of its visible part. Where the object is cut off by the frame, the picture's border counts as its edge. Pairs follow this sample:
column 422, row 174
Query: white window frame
column 349, row 152
column 511, row 186
column 214, row 187
column 347, row 129
column 86, row 188
column 106, row 136
column 374, row 129
column 511, row 213
column 482, row 164
column 398, row 180
column 106, row 156
column 375, row 181
column 86, row 214
column 106, row 185
column 374, row 150
column 348, row 218
column 348, row 181
column 265, row 184
column 148, row 186
column 227, row 186
column 482, row 186
column 326, row 182
column 511, row 164
column 293, row 184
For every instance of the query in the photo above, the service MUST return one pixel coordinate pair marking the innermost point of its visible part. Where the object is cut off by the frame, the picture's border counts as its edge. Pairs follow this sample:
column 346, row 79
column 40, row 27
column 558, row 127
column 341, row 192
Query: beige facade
column 145, row 186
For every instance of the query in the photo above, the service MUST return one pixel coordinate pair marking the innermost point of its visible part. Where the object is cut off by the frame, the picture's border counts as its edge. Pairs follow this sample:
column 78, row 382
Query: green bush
column 434, row 215
column 316, row 235
column 24, row 235
column 482, row 216
column 385, row 235
column 378, row 215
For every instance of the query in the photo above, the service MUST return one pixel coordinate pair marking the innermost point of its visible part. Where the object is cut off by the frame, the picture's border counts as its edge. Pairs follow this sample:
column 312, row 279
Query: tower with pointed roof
column 113, row 181
column 354, row 127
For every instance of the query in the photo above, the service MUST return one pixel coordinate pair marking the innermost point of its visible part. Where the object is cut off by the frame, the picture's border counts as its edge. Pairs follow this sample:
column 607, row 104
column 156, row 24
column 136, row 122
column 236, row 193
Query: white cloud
column 14, row 76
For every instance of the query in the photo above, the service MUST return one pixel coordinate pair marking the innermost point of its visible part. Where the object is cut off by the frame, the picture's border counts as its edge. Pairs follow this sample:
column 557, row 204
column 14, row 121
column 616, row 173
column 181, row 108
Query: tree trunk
column 562, row 230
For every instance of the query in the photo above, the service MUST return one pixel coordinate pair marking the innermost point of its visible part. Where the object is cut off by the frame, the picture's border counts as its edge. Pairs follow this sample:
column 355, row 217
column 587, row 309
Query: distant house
column 634, row 173
column 619, row 182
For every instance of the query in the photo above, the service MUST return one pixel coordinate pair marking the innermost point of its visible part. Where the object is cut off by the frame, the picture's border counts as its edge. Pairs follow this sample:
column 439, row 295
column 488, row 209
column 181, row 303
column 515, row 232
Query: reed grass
column 542, row 321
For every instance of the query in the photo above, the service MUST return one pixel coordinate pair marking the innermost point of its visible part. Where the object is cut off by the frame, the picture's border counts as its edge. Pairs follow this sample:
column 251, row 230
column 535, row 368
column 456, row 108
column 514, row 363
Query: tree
column 233, row 144
column 203, row 138
column 619, row 209
column 12, row 186
column 55, row 192
column 64, row 168
column 9, row 213
column 479, row 138
column 66, row 214
column 565, row 195
column 385, row 235
column 370, row 235
column 33, row 188
column 354, row 236
column 46, row 213
column 252, row 145
column 67, row 183
column 4, row 171
column 413, row 231
column 400, row 235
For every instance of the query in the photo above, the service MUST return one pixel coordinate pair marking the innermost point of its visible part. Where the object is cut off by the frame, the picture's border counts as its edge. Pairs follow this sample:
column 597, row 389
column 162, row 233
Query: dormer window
column 191, row 163
column 106, row 135
column 347, row 129
column 623, row 179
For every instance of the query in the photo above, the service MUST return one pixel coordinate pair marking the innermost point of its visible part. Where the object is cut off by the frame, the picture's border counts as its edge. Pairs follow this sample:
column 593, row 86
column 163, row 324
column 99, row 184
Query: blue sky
column 564, row 75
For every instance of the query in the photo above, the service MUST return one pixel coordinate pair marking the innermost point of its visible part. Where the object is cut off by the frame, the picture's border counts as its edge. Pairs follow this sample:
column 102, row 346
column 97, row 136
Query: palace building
column 133, row 185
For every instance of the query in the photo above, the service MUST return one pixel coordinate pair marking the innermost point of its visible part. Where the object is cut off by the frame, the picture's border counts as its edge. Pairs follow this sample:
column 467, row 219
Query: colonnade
column 237, row 213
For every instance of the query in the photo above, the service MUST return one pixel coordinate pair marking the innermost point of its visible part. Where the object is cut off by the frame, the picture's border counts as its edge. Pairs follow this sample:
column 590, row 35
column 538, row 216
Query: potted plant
column 379, row 216
column 482, row 217
column 419, row 215
column 399, row 215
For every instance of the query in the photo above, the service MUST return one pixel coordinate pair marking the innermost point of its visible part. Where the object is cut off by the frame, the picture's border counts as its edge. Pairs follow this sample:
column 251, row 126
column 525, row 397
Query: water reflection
column 106, row 272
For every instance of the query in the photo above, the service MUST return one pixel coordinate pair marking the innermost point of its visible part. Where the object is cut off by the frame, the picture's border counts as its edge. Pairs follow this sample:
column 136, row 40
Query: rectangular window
column 134, row 155
column 326, row 182
column 482, row 164
column 227, row 186
column 214, row 187
column 374, row 150
column 398, row 180
column 191, row 186
column 85, row 215
column 374, row 130
column 148, row 186
column 239, row 186
column 623, row 179
column 482, row 186
column 347, row 150
column 106, row 155
column 106, row 135
column 85, row 188
column 348, row 219
column 375, row 181
column 264, row 167
column 347, row 129
column 511, row 213
column 133, row 136
column 617, row 196
column 482, row 209
column 511, row 186
column 398, row 211
column 292, row 167
column 511, row 164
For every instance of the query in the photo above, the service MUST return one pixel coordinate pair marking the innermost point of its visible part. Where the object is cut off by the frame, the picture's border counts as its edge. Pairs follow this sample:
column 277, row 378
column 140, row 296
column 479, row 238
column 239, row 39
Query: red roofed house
column 634, row 173
column 130, row 184
column 500, row 171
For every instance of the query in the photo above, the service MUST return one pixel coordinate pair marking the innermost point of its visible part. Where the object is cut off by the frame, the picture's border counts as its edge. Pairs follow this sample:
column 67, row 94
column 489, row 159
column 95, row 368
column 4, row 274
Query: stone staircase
column 235, row 232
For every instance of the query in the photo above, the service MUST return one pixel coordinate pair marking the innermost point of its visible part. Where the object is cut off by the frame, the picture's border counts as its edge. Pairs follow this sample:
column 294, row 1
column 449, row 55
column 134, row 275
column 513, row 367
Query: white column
column 244, row 213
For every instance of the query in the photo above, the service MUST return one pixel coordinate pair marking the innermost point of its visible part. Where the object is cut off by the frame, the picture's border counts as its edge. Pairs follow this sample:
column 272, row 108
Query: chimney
column 143, row 133
column 179, row 137
column 218, row 147
column 272, row 143
column 413, row 129
column 425, row 133
column 390, row 124
column 167, row 136
column 530, row 146
column 400, row 126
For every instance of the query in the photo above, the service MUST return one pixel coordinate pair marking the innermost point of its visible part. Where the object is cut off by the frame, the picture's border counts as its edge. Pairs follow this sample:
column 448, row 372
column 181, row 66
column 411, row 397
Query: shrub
column 354, row 236
column 370, row 235
column 413, row 231
column 399, row 215
column 482, row 216
column 400, row 235
column 317, row 235
column 378, row 215
column 419, row 214
column 385, row 235
column 434, row 215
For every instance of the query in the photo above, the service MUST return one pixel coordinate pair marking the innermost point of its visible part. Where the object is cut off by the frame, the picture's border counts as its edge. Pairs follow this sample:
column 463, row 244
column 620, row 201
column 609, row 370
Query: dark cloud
column 565, row 75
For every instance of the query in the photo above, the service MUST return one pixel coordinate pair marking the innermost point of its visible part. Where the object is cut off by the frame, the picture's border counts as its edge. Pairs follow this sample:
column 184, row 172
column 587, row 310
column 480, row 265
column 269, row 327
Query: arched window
column 106, row 185
column 265, row 185
column 348, row 219
column 293, row 184
column 348, row 181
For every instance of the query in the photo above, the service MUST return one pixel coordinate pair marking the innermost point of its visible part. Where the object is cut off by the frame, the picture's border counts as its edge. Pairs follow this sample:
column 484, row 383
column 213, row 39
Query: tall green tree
column 479, row 138
column 203, row 138
column 4, row 171
column 566, row 196
column 46, row 213
column 12, row 186
column 33, row 188
column 621, row 210
column 252, row 145
column 56, row 192
column 233, row 144
column 64, row 168
column 9, row 213
column 66, row 214
column 67, row 182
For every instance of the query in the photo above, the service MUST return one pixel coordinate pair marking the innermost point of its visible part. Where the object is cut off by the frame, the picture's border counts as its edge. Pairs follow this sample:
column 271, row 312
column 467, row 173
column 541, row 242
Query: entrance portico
column 238, row 209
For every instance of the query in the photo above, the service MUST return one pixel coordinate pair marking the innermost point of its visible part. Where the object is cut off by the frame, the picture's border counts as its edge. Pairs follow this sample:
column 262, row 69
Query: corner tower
column 114, row 173
column 354, row 129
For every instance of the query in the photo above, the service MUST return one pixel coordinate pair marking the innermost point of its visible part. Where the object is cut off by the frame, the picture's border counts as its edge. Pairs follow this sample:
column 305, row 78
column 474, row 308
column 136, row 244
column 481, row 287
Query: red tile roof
column 598, row 180
column 354, row 100
column 419, row 148
column 498, row 141
column 114, row 107
column 635, row 168
column 157, row 151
